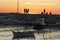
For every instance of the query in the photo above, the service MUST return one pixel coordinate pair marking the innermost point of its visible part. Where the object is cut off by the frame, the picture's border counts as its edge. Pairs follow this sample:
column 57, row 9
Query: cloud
column 40, row 3
column 28, row 3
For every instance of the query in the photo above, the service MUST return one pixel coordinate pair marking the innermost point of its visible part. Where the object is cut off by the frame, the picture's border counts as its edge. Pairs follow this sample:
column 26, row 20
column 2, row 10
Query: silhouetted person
column 41, row 13
column 44, row 11
column 26, row 11
column 50, row 13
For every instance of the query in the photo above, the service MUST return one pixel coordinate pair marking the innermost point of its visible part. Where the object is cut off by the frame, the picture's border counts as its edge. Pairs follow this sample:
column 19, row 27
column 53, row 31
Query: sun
column 28, row 3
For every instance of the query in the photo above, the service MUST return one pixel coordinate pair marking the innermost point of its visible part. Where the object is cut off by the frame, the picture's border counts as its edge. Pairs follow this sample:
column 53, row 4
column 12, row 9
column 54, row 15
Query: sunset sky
column 35, row 6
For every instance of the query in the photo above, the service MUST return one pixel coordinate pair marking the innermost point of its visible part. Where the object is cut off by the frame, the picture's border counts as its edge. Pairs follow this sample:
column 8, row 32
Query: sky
column 35, row 6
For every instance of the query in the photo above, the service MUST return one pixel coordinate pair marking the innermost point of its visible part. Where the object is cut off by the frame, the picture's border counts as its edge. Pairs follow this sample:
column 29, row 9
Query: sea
column 44, row 34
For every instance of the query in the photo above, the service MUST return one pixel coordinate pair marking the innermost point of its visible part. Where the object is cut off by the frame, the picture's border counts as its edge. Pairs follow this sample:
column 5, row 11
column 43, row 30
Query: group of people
column 26, row 11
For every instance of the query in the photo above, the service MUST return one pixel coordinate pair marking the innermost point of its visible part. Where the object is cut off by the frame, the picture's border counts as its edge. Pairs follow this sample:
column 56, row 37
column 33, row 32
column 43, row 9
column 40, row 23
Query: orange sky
column 35, row 6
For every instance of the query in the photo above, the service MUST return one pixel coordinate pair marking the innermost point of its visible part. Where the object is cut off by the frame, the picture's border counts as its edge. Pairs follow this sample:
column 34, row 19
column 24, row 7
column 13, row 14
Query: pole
column 17, row 6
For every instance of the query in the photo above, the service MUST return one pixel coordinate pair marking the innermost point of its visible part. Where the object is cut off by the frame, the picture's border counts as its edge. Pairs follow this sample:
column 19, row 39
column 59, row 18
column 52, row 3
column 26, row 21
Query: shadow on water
column 23, row 35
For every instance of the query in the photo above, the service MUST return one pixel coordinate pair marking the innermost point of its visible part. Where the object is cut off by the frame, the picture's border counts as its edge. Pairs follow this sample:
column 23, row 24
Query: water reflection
column 48, row 34
column 8, row 38
column 24, row 39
